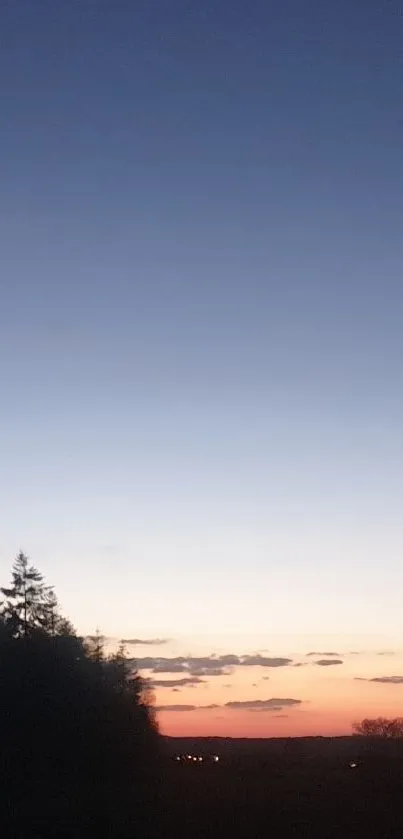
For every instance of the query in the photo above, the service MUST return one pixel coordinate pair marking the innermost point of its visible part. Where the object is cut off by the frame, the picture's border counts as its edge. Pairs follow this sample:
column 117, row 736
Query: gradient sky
column 201, row 337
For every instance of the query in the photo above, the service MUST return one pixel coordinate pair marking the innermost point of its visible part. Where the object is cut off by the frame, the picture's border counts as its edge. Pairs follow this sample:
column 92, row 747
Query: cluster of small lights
column 194, row 758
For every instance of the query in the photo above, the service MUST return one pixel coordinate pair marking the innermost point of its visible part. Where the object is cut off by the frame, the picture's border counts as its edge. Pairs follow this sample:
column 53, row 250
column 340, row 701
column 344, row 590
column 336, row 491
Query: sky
column 201, row 343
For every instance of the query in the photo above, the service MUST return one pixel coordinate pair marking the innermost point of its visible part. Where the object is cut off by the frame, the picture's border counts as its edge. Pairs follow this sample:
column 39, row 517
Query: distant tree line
column 380, row 727
column 79, row 745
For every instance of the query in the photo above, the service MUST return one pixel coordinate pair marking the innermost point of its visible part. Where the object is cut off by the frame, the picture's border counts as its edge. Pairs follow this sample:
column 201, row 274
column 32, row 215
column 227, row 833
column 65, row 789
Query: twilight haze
column 201, row 345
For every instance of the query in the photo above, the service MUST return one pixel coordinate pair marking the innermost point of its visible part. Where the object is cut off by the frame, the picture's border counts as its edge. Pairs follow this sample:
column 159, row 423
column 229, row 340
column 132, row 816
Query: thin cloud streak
column 263, row 661
column 383, row 680
column 175, row 708
column 175, row 683
column 328, row 662
column 186, row 708
column 144, row 642
column 262, row 704
column 252, row 705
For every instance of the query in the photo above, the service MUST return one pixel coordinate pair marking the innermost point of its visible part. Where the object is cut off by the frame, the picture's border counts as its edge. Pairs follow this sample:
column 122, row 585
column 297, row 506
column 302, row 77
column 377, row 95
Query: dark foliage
column 79, row 744
column 380, row 727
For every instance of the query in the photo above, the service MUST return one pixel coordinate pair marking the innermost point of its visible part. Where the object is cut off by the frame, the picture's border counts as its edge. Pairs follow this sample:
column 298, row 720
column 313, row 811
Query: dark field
column 284, row 788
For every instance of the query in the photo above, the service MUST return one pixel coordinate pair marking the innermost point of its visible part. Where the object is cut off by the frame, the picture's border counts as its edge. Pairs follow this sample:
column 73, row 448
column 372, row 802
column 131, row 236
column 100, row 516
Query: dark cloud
column 161, row 665
column 384, row 680
column 252, row 705
column 173, row 683
column 325, row 654
column 211, row 661
column 265, row 678
column 178, row 708
column 386, row 652
column 262, row 704
column 227, row 660
column 280, row 716
column 175, row 708
column 263, row 661
column 210, row 671
column 300, row 664
column 192, row 665
column 213, row 665
column 144, row 642
column 328, row 662
column 176, row 690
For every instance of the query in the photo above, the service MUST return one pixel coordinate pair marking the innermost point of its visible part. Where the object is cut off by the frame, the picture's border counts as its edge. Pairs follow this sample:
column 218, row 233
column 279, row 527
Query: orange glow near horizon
column 331, row 699
column 247, row 724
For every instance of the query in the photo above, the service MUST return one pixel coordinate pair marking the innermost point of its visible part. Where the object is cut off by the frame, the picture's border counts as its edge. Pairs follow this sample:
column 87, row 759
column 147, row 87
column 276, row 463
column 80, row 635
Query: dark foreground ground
column 284, row 788
column 314, row 788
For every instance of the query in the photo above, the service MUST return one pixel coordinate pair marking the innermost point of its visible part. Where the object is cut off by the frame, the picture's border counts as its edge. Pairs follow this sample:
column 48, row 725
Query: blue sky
column 201, row 298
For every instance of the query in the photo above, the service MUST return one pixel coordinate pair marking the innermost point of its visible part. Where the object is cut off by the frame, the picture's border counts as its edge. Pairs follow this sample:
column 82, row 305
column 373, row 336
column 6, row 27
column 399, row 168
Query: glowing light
column 216, row 758
column 200, row 759
column 353, row 765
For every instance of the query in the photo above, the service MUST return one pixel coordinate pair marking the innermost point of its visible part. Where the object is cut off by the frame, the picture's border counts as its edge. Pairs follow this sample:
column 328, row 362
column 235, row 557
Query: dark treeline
column 80, row 750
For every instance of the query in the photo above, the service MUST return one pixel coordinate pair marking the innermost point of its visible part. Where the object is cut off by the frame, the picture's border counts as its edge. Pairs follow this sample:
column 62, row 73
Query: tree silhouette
column 96, row 647
column 30, row 605
column 79, row 743
column 380, row 727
